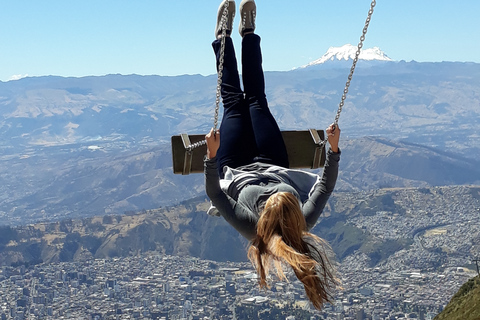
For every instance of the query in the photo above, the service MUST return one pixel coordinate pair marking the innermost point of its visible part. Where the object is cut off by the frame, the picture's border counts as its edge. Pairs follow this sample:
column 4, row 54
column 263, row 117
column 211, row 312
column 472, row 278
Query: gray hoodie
column 241, row 195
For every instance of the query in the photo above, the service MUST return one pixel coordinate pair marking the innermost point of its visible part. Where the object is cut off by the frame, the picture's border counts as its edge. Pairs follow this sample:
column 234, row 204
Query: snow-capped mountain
column 347, row 52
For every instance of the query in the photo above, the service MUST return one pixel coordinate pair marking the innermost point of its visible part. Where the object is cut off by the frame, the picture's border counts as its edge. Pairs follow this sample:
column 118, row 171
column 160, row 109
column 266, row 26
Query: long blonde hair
column 282, row 236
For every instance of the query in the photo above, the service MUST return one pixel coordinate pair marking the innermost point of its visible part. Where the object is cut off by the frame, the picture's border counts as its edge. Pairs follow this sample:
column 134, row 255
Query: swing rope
column 352, row 69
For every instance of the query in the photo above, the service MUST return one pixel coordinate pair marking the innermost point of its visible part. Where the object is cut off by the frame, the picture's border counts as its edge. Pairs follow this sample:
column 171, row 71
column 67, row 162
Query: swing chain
column 220, row 74
column 221, row 59
column 220, row 64
column 352, row 69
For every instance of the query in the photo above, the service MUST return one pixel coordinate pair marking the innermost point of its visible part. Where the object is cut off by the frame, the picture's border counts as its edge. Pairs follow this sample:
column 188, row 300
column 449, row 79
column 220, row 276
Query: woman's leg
column 268, row 138
column 237, row 144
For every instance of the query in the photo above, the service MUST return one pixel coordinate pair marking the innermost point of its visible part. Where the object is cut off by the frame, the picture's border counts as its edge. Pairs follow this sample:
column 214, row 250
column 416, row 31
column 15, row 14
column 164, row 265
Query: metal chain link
column 195, row 145
column 220, row 73
column 220, row 65
column 352, row 69
column 219, row 77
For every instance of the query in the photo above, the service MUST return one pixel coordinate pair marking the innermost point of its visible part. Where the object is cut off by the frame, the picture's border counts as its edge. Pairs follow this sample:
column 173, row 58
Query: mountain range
column 78, row 147
column 381, row 225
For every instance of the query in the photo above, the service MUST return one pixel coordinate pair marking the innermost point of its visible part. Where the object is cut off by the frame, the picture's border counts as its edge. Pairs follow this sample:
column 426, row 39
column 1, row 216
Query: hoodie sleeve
column 239, row 217
column 315, row 204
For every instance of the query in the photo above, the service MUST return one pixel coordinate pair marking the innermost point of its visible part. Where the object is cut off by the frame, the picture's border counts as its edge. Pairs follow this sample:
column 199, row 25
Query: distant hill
column 79, row 147
column 380, row 225
column 434, row 104
column 72, row 182
column 370, row 163
column 465, row 305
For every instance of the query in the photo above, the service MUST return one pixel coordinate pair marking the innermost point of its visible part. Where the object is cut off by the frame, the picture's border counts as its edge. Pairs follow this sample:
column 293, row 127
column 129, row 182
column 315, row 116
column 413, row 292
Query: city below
column 414, row 281
column 169, row 287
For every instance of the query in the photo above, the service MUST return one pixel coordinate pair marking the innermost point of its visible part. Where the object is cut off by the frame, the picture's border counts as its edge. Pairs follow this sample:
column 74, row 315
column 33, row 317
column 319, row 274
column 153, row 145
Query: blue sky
column 98, row 37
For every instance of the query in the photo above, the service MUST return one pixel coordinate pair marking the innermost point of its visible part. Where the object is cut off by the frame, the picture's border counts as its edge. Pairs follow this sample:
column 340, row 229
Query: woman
column 247, row 176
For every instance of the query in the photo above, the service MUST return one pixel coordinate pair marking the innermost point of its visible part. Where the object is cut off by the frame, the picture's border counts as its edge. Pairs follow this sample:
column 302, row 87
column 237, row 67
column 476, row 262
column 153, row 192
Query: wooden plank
column 303, row 152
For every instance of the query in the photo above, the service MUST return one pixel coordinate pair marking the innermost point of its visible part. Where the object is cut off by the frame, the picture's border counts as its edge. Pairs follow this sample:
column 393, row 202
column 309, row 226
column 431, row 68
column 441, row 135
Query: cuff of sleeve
column 209, row 159
column 334, row 155
column 331, row 152
column 210, row 163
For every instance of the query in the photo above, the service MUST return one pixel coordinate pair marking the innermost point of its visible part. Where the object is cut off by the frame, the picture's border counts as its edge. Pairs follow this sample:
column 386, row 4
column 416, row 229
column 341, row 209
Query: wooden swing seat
column 303, row 150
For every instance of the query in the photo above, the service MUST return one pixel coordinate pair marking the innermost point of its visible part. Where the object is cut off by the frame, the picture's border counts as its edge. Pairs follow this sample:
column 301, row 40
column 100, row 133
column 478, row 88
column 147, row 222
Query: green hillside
column 465, row 305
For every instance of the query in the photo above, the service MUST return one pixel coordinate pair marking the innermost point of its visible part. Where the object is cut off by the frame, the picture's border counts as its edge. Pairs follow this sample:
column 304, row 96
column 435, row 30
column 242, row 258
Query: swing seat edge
column 302, row 146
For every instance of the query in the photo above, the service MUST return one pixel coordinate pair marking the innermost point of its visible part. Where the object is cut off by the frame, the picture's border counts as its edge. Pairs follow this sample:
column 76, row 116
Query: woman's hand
column 333, row 134
column 213, row 143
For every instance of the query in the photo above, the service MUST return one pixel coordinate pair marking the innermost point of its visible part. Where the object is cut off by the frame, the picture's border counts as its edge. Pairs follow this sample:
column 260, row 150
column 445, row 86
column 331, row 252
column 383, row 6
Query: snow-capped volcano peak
column 347, row 52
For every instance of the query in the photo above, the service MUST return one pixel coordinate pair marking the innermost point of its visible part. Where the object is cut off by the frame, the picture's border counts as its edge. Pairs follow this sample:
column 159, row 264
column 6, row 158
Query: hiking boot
column 248, row 11
column 230, row 16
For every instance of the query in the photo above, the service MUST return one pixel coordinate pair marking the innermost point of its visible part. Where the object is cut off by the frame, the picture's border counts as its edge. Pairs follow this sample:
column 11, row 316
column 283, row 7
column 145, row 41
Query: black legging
column 248, row 132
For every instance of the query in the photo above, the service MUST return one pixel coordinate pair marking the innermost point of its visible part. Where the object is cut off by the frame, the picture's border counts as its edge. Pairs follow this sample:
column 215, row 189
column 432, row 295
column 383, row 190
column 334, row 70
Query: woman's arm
column 315, row 204
column 313, row 207
column 213, row 143
column 239, row 217
column 333, row 134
